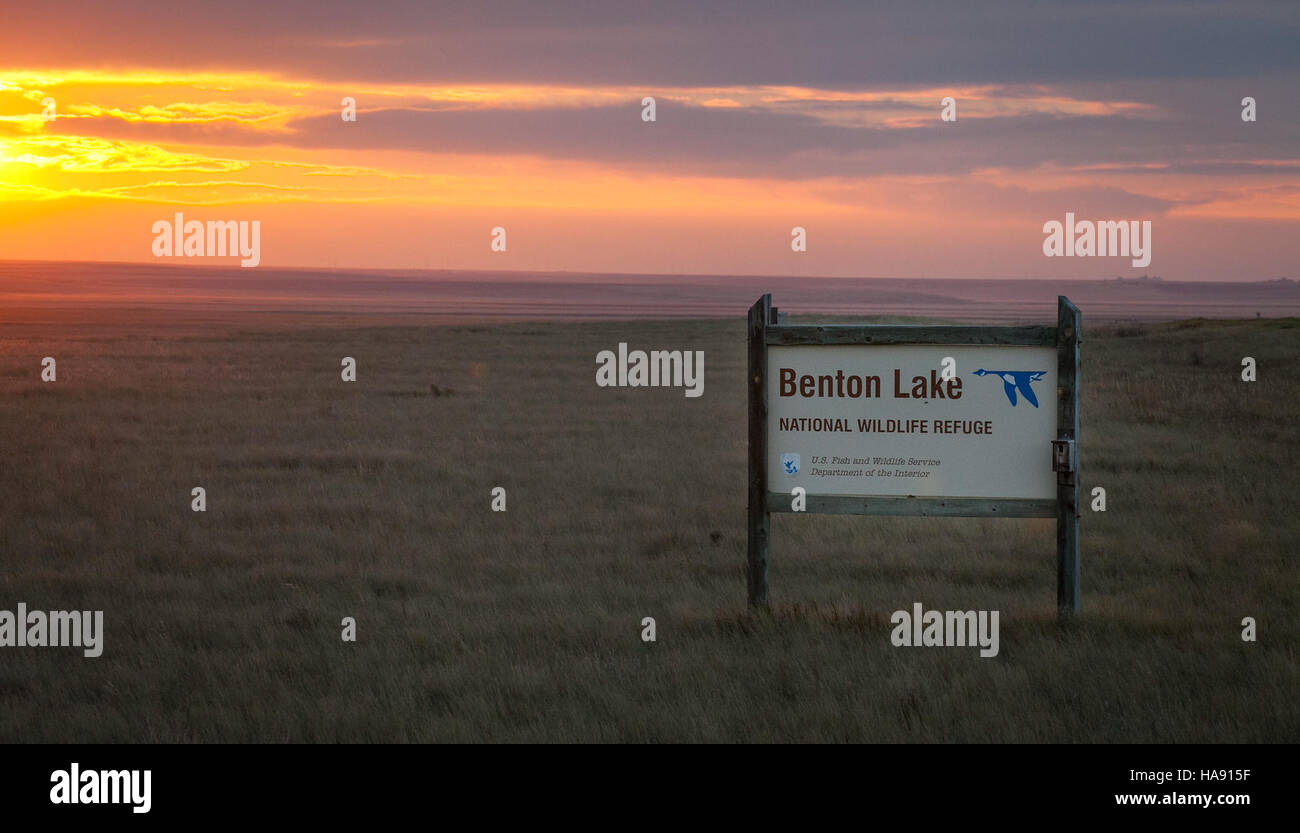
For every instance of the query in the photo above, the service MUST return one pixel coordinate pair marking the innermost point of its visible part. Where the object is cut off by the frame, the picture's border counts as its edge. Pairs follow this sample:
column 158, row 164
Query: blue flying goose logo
column 1016, row 380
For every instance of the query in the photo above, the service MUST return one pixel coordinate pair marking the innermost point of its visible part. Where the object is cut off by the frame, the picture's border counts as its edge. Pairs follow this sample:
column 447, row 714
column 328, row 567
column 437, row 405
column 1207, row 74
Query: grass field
column 371, row 500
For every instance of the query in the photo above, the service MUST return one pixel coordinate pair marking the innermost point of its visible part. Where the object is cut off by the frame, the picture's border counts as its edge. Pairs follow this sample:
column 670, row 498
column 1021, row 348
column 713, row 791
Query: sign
column 883, row 420
column 915, row 420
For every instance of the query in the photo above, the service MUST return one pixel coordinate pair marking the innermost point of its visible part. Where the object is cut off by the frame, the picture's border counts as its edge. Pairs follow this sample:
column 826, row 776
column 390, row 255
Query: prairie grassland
column 371, row 500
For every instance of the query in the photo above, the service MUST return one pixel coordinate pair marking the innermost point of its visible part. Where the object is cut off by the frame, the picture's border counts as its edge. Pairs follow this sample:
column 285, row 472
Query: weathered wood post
column 759, row 316
column 1069, row 328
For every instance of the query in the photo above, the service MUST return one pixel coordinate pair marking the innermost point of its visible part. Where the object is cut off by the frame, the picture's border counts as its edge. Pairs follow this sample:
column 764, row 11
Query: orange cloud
column 238, row 153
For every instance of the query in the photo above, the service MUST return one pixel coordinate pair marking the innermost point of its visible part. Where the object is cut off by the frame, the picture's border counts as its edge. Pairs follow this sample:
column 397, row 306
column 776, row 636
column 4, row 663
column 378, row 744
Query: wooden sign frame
column 765, row 331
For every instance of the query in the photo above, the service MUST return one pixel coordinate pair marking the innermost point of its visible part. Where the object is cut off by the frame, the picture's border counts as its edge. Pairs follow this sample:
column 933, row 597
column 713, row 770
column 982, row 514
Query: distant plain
column 371, row 500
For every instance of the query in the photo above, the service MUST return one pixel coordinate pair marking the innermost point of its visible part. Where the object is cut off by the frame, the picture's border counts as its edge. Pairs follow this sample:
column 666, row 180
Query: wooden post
column 1069, row 328
column 760, row 314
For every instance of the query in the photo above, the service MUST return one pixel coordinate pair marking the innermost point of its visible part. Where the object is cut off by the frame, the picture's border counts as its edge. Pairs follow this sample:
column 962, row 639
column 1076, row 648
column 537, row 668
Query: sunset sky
column 769, row 115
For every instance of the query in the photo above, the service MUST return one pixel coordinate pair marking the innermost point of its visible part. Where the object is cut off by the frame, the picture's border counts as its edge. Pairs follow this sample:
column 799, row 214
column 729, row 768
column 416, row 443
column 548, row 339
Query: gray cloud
column 676, row 42
column 1086, row 202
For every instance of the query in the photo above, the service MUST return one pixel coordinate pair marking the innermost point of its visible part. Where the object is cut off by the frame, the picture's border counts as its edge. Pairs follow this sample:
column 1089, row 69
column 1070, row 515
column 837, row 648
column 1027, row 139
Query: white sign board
column 878, row 420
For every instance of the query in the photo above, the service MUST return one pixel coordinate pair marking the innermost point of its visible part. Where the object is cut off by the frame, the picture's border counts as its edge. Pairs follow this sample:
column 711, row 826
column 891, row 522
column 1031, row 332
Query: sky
column 768, row 116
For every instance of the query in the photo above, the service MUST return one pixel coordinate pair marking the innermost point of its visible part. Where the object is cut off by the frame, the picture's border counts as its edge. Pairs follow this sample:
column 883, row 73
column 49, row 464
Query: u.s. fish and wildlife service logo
column 1017, row 381
column 790, row 463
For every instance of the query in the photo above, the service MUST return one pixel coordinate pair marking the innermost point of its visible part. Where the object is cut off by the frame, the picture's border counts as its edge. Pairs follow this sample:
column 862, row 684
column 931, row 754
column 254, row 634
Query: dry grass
column 372, row 500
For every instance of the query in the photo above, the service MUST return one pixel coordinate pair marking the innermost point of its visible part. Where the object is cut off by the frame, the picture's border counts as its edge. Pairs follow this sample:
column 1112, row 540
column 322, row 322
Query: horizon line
column 343, row 270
